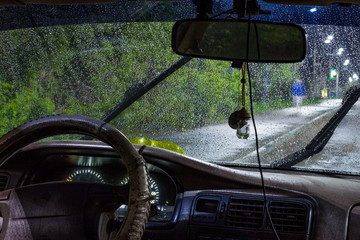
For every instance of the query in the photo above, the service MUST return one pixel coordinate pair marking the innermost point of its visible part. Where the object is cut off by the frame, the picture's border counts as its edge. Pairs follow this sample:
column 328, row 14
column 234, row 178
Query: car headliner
column 312, row 2
column 72, row 2
column 124, row 11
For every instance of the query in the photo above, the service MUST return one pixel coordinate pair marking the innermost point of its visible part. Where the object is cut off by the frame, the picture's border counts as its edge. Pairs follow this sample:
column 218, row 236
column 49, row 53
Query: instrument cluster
column 109, row 170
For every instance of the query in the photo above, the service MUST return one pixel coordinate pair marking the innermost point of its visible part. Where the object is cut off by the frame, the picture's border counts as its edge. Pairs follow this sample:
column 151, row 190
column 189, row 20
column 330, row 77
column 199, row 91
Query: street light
column 313, row 10
column 355, row 77
column 340, row 51
column 347, row 61
column 329, row 38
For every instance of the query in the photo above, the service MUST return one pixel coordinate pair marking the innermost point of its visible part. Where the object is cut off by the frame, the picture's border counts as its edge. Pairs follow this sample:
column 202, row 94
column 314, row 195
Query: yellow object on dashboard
column 160, row 144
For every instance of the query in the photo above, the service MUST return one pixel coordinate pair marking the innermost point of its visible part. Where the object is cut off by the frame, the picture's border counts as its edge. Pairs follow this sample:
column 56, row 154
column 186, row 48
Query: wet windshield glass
column 88, row 69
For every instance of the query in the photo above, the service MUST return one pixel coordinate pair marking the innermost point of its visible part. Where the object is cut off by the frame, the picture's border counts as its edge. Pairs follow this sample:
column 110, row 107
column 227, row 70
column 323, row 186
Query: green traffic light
column 333, row 73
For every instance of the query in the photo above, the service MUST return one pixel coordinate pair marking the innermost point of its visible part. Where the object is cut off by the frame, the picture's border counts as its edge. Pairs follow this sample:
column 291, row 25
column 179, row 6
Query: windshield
column 91, row 68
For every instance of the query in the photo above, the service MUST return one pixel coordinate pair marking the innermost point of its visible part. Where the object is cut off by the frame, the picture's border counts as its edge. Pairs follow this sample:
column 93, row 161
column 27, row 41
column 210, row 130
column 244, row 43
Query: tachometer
column 154, row 189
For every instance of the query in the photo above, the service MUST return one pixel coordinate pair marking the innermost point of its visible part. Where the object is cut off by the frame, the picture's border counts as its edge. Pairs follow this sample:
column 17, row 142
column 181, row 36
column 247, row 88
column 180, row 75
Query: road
column 219, row 142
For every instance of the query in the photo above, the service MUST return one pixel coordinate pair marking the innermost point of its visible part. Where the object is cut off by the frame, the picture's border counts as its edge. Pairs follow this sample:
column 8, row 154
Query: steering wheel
column 133, row 225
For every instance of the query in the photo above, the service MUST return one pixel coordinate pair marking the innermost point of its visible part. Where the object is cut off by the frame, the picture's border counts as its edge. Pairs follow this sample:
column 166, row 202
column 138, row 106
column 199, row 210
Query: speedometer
column 85, row 175
column 154, row 189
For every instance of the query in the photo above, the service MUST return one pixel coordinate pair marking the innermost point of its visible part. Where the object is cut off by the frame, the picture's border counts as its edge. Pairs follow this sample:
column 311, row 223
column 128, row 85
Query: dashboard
column 193, row 199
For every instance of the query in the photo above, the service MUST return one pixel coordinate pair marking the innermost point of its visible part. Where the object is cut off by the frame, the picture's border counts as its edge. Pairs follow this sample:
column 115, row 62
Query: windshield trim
column 295, row 169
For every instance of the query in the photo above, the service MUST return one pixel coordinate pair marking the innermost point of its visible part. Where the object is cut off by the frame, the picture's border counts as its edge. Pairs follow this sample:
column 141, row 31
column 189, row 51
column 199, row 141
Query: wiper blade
column 139, row 89
column 322, row 138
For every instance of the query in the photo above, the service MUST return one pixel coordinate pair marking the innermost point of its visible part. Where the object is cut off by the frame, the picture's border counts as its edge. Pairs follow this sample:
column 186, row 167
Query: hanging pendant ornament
column 239, row 120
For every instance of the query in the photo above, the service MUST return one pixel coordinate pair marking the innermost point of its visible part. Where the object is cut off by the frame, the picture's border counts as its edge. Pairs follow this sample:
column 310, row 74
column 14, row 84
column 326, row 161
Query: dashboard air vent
column 3, row 182
column 245, row 213
column 289, row 216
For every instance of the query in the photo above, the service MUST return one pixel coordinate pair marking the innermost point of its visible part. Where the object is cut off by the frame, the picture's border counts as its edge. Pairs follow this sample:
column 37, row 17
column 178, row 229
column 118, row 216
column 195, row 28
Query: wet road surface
column 219, row 142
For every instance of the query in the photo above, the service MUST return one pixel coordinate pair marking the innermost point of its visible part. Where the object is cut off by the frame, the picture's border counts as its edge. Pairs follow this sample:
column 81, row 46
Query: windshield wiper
column 322, row 138
column 138, row 90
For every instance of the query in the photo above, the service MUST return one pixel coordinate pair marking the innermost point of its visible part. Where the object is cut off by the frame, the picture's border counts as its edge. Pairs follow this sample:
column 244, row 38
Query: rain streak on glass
column 88, row 69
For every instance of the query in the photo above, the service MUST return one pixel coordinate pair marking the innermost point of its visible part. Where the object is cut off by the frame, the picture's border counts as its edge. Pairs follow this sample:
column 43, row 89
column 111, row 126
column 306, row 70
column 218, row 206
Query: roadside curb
column 290, row 140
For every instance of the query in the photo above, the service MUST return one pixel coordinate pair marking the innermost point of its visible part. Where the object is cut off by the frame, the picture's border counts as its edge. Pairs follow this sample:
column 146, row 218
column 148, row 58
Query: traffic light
column 333, row 73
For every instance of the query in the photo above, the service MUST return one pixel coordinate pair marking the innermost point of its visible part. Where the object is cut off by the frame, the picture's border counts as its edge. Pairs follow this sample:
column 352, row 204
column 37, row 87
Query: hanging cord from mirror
column 258, row 159
column 243, row 82
column 266, row 206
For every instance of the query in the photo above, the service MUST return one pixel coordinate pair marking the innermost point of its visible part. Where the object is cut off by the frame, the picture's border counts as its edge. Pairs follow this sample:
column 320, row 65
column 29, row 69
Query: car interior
column 111, row 188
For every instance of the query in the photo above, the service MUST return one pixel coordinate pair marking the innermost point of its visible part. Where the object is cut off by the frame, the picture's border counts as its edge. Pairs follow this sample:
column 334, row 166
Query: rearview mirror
column 227, row 40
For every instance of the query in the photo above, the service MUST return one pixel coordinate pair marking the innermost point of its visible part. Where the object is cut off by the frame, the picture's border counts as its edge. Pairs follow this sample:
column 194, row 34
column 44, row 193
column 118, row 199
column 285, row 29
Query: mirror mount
column 204, row 7
column 242, row 8
column 248, row 8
